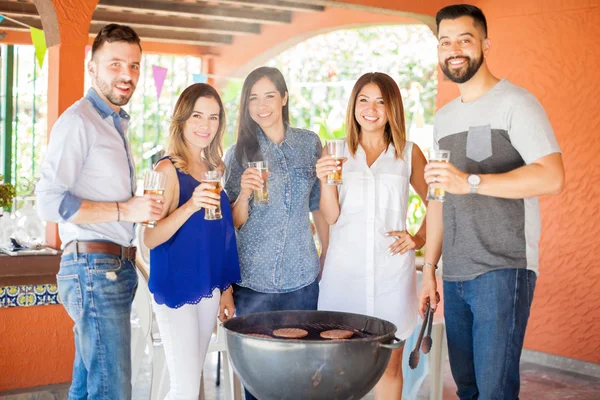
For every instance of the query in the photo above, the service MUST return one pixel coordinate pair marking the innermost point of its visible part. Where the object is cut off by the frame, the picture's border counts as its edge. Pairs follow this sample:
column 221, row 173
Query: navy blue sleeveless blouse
column 199, row 257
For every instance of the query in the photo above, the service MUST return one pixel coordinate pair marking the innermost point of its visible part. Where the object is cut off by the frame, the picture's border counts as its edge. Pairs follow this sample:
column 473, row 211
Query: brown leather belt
column 126, row 253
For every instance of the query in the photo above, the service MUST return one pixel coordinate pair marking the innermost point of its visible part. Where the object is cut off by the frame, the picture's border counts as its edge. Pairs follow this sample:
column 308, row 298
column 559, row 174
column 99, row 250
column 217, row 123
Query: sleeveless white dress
column 359, row 274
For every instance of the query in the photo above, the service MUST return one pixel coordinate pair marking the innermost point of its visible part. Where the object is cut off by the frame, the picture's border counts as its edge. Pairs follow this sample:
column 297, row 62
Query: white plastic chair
column 141, row 326
column 159, row 386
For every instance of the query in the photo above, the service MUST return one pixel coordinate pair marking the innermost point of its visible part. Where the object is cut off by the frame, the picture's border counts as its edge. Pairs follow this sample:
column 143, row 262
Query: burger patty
column 337, row 334
column 290, row 333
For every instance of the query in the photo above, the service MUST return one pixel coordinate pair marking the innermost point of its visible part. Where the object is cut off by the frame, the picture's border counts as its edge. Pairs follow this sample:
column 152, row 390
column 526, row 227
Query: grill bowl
column 309, row 368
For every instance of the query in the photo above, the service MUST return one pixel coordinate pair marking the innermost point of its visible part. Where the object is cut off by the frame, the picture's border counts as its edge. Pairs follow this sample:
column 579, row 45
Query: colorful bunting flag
column 200, row 78
column 1, row 18
column 39, row 42
column 160, row 74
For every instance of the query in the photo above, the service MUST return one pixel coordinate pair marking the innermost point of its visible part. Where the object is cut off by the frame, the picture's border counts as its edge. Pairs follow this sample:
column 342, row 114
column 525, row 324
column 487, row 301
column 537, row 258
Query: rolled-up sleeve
column 61, row 168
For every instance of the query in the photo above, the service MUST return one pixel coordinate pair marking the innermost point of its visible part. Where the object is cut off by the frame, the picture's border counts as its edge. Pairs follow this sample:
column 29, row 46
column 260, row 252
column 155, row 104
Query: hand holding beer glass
column 214, row 178
column 336, row 149
column 437, row 194
column 261, row 195
column 154, row 183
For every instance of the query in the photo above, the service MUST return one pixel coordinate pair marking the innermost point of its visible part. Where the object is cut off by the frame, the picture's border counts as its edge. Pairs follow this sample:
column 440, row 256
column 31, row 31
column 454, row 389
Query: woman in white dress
column 370, row 264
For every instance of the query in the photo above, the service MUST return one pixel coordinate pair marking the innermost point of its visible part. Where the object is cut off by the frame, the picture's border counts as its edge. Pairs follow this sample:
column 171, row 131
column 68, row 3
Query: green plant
column 7, row 194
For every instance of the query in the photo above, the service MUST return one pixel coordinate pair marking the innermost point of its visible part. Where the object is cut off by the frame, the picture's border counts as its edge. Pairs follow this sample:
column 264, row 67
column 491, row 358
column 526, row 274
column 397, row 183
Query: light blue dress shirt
column 88, row 158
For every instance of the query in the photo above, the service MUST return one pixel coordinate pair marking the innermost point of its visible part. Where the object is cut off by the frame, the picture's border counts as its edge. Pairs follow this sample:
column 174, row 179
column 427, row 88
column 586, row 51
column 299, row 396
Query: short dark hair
column 461, row 10
column 115, row 33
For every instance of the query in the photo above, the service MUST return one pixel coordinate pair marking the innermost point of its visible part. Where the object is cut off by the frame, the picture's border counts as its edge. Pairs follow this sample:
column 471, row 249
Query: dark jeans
column 248, row 301
column 486, row 320
column 97, row 291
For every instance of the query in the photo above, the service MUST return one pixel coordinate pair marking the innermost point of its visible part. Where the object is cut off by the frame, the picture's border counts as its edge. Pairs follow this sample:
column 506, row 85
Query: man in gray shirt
column 503, row 156
column 88, row 186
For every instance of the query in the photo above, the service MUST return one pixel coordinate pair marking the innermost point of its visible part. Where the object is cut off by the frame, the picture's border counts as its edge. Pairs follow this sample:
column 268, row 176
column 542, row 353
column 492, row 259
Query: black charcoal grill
column 311, row 367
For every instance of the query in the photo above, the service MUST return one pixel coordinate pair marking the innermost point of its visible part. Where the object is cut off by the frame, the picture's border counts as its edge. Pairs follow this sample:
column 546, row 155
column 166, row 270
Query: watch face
column 474, row 179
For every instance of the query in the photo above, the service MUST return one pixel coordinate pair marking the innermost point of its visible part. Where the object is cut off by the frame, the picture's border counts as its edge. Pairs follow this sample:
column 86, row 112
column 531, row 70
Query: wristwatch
column 474, row 181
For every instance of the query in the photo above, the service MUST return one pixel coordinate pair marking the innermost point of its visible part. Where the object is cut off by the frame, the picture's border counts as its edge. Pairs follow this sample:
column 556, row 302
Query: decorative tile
column 28, row 295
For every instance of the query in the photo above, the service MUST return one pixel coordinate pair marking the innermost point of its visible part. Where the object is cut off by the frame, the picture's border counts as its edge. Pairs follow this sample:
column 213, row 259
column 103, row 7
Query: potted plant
column 7, row 194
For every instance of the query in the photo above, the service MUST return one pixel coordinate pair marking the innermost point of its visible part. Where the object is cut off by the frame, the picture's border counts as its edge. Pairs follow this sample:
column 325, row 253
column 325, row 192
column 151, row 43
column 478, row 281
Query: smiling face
column 369, row 110
column 203, row 124
column 265, row 104
column 115, row 70
column 462, row 48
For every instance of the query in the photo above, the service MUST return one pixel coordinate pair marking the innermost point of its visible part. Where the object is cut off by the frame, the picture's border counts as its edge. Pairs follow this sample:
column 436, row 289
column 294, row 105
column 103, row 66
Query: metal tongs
column 426, row 341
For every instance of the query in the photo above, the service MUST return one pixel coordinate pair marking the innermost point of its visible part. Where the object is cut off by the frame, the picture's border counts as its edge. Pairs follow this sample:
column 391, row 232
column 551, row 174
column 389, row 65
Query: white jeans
column 185, row 333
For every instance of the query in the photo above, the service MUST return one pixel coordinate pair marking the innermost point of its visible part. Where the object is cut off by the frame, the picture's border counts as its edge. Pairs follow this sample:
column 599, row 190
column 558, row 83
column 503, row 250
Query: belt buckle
column 123, row 253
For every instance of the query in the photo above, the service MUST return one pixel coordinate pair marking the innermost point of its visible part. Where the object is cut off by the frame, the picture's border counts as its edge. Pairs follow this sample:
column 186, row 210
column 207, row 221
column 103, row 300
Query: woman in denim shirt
column 278, row 257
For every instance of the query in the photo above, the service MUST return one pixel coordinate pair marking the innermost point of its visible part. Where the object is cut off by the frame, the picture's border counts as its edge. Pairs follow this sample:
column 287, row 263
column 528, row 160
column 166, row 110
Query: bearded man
column 503, row 156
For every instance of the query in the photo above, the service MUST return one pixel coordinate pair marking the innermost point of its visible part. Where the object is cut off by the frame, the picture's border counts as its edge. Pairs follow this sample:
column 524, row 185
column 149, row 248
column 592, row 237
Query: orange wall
column 551, row 48
column 36, row 346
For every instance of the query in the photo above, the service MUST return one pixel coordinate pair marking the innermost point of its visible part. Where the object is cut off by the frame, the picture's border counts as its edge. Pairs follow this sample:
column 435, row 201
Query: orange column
column 208, row 68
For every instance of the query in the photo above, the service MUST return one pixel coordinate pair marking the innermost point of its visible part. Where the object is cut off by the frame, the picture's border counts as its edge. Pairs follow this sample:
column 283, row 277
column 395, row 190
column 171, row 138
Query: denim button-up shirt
column 276, row 247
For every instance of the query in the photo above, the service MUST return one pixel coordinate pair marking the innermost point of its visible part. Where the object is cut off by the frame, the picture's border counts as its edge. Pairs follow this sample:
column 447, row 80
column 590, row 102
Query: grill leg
column 218, row 382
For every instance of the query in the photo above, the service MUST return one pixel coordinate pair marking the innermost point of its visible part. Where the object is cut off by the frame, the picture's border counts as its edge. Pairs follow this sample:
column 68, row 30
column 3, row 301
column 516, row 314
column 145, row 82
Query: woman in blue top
column 278, row 256
column 193, row 261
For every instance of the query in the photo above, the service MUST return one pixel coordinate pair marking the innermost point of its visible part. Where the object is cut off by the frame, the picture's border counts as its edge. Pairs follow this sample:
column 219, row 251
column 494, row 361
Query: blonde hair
column 176, row 146
column 395, row 128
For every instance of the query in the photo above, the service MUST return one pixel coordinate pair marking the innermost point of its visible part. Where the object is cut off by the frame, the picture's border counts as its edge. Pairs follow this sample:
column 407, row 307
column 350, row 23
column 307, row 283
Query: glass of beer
column 154, row 183
column 261, row 196
column 437, row 194
column 336, row 149
column 214, row 178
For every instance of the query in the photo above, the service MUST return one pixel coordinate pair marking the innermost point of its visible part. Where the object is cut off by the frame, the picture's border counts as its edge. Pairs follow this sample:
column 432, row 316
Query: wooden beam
column 232, row 14
column 162, row 35
column 156, row 35
column 177, row 24
column 135, row 20
column 14, row 9
column 271, row 4
column 13, row 26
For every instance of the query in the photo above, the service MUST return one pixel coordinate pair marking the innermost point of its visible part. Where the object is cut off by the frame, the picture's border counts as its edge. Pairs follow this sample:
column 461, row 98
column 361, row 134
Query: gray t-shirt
column 503, row 130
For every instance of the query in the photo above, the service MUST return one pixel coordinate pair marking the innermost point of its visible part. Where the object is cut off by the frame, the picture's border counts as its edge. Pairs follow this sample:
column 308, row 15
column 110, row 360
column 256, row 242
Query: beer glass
column 261, row 196
column 336, row 148
column 214, row 178
column 437, row 194
column 154, row 183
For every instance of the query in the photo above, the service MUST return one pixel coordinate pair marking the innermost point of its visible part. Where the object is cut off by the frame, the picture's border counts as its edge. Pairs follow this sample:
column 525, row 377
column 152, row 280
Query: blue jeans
column 248, row 301
column 97, row 291
column 486, row 320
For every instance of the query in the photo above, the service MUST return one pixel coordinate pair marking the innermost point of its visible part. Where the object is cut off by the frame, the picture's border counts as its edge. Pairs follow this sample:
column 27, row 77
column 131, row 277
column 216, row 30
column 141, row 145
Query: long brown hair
column 247, row 147
column 395, row 128
column 176, row 146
